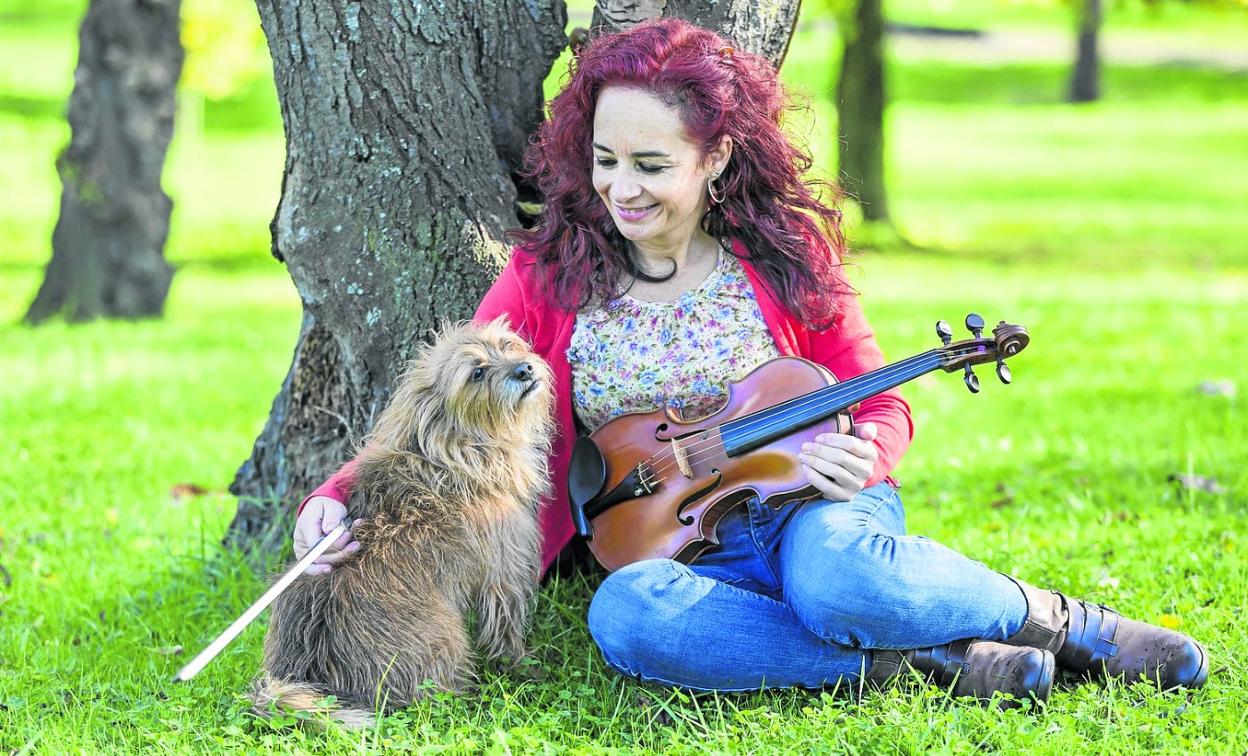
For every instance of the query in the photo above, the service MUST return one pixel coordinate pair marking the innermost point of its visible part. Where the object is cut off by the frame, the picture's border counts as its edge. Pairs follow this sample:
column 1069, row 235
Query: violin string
column 800, row 404
column 660, row 475
column 795, row 407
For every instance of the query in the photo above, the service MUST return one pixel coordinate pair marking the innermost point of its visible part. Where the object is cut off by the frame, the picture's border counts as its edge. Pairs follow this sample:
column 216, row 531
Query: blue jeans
column 798, row 596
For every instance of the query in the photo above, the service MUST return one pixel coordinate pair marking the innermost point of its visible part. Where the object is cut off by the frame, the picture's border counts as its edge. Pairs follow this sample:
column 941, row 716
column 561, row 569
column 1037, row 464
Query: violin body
column 648, row 485
column 677, row 520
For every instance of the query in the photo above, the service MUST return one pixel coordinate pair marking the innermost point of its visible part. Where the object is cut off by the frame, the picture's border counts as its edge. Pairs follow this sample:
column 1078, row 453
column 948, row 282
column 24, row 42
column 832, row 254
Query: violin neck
column 758, row 428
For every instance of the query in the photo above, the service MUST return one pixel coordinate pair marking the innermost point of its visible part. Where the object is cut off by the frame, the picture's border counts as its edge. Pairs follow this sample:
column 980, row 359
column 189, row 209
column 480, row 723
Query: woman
column 678, row 249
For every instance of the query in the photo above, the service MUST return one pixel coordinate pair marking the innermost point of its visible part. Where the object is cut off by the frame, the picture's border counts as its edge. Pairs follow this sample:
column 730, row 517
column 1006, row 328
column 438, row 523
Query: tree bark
column 762, row 27
column 860, row 99
column 404, row 123
column 1085, row 79
column 107, row 247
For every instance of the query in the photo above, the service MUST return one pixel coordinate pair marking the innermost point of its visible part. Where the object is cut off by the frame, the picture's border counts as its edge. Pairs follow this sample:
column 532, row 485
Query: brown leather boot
column 1093, row 638
column 973, row 668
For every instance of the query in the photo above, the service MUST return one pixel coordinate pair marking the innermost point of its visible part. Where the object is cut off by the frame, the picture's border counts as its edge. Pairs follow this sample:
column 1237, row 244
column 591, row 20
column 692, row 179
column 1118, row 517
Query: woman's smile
column 634, row 214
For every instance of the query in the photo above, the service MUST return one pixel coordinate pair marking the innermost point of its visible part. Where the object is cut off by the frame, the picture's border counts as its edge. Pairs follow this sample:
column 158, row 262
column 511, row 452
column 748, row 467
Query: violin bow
column 196, row 665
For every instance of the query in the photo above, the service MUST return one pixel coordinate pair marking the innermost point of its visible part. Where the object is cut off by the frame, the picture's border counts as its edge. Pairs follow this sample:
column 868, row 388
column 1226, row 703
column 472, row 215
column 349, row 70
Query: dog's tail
column 285, row 695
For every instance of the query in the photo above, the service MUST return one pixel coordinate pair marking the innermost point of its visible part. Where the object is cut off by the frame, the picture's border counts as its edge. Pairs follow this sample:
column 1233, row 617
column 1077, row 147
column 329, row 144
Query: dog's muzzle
column 529, row 389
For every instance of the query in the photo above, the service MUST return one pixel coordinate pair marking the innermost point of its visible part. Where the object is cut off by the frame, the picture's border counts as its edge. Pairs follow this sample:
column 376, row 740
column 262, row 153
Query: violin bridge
column 682, row 459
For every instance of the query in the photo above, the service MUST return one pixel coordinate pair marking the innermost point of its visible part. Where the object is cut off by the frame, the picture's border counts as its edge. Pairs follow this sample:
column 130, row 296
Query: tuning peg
column 972, row 382
column 1003, row 371
column 944, row 332
column 974, row 324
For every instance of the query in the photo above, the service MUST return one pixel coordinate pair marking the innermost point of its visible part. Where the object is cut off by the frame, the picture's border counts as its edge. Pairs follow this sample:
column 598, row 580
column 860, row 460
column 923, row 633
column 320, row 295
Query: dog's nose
column 523, row 372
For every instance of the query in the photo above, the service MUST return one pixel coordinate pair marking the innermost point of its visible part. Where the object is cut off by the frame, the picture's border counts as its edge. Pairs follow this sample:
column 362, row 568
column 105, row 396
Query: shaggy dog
column 448, row 487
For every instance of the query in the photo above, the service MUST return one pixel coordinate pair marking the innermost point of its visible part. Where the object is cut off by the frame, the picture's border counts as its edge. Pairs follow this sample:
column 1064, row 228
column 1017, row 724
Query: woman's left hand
column 839, row 464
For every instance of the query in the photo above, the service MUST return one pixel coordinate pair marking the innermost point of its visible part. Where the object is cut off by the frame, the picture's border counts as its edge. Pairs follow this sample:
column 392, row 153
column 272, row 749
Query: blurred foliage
column 225, row 47
column 982, row 14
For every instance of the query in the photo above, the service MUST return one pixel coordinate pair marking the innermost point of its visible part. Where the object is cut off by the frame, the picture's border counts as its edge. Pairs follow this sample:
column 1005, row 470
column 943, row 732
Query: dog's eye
column 478, row 374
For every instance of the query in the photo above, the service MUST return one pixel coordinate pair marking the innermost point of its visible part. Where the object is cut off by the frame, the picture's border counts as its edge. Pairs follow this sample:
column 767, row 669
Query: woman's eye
column 651, row 169
column 478, row 374
column 605, row 163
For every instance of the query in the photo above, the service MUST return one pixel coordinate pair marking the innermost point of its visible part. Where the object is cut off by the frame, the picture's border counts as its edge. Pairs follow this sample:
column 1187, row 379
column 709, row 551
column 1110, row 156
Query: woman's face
column 651, row 178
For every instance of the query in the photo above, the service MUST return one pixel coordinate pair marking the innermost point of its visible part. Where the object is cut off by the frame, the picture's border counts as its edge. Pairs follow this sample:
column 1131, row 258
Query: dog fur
column 448, row 487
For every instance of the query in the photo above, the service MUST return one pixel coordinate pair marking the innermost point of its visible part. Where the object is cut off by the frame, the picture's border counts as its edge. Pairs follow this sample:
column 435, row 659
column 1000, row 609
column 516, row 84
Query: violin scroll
column 1007, row 340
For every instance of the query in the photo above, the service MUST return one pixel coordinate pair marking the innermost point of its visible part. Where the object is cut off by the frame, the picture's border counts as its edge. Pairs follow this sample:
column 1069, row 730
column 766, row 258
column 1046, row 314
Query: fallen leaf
column 186, row 490
column 1197, row 483
column 1217, row 388
column 1004, row 501
column 1109, row 581
column 1169, row 620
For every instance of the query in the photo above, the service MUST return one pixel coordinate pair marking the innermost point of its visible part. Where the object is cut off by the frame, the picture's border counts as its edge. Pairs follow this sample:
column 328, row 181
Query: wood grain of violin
column 650, row 485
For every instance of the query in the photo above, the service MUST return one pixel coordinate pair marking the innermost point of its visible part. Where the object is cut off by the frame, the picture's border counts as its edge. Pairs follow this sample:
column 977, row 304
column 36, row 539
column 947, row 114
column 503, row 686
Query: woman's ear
column 718, row 157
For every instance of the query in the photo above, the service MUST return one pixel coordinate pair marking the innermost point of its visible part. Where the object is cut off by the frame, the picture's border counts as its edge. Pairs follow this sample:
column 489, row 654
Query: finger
column 845, row 458
column 337, row 557
column 851, row 444
column 340, row 542
column 840, row 465
column 827, row 468
column 308, row 530
column 866, row 431
column 332, row 518
column 831, row 489
column 318, row 569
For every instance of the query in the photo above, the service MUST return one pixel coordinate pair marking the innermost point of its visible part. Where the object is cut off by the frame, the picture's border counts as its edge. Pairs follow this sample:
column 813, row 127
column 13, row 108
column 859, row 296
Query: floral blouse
column 628, row 355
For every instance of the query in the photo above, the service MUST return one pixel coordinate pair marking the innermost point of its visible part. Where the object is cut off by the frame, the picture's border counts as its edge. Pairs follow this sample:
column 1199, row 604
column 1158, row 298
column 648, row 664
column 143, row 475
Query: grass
column 1113, row 232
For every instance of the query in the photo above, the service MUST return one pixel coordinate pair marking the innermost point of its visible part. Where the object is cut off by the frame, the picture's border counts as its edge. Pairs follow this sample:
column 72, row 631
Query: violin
column 649, row 485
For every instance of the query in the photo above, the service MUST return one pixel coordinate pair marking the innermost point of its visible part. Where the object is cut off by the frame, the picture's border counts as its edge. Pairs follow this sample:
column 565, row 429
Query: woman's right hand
column 319, row 516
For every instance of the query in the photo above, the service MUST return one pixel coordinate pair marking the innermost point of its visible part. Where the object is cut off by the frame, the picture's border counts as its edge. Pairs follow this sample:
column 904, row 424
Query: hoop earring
column 710, row 189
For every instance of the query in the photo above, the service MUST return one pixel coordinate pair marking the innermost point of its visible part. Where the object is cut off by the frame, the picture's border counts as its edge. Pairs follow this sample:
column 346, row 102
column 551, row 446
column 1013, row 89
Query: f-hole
column 694, row 497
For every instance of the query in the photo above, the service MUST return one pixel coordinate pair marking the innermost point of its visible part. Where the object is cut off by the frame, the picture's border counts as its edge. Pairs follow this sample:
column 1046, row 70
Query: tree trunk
column 860, row 101
column 107, row 247
column 404, row 125
column 404, row 122
column 762, row 27
column 1085, row 79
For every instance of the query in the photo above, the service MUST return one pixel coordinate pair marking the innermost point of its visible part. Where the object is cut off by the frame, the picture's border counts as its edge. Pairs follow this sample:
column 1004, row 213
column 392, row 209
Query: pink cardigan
column 847, row 349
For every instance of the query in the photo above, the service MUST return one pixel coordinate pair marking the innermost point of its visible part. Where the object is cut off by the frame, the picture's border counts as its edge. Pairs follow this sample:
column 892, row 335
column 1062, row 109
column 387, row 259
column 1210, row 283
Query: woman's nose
column 624, row 189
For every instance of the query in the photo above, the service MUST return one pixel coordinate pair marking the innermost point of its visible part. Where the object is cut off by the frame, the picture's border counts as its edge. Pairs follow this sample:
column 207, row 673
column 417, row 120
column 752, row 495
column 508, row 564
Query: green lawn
column 1114, row 232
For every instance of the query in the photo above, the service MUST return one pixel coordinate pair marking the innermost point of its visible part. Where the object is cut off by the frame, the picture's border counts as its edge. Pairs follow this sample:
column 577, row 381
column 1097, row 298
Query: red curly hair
column 793, row 239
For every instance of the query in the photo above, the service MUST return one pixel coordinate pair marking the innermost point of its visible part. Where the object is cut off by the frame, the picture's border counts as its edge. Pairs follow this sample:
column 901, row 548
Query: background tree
column 404, row 123
column 860, row 100
column 763, row 33
column 1085, row 77
column 404, row 126
column 107, row 247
